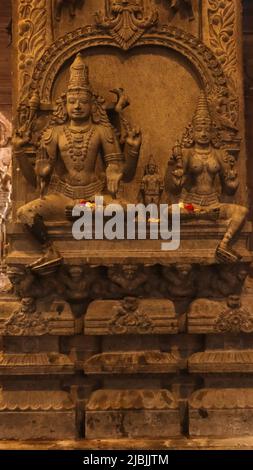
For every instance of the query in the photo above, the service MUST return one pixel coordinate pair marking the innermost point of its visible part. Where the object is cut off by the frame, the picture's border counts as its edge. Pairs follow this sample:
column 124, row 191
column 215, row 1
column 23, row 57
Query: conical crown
column 202, row 113
column 79, row 76
column 151, row 161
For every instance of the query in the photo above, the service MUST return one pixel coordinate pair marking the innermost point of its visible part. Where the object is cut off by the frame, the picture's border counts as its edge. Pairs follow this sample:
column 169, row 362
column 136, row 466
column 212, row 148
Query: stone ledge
column 153, row 362
column 35, row 364
column 193, row 249
column 148, row 316
column 221, row 412
column 132, row 413
column 219, row 361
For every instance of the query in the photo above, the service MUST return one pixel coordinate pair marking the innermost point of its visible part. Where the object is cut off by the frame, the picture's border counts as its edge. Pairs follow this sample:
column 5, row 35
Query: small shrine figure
column 78, row 159
column 192, row 172
column 152, row 184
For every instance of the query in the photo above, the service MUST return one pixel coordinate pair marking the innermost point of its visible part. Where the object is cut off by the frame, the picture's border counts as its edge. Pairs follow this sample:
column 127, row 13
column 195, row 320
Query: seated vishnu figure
column 67, row 161
column 193, row 172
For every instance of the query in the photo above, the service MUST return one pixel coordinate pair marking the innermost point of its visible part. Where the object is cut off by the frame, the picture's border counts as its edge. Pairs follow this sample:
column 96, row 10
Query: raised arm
column 46, row 157
column 176, row 170
column 228, row 174
column 113, row 158
column 131, row 153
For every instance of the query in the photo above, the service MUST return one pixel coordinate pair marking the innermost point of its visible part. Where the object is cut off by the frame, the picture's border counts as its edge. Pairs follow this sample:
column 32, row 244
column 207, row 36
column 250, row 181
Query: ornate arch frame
column 203, row 60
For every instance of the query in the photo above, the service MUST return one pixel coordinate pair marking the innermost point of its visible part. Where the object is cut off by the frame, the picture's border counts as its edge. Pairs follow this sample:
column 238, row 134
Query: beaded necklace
column 78, row 143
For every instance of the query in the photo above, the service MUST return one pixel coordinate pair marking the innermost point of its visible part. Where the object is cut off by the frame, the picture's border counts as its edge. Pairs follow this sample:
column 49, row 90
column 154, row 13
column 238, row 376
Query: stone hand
column 42, row 168
column 231, row 175
column 113, row 177
column 20, row 141
column 134, row 138
column 122, row 99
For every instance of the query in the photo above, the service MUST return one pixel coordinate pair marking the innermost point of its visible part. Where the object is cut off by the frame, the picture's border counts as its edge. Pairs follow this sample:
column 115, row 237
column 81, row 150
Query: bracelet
column 113, row 157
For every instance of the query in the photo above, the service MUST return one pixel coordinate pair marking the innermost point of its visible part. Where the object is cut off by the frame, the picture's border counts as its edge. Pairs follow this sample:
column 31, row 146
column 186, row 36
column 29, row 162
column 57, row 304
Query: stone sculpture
column 193, row 172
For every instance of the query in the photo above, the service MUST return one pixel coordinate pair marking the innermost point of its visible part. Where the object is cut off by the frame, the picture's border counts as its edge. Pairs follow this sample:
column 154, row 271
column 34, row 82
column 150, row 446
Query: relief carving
column 27, row 321
column 32, row 29
column 191, row 173
column 127, row 319
column 127, row 278
column 126, row 21
column 222, row 16
column 66, row 162
column 235, row 319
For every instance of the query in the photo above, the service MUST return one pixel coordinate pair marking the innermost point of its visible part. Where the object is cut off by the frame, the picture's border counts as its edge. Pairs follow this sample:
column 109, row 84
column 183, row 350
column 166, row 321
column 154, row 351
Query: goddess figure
column 68, row 165
column 193, row 173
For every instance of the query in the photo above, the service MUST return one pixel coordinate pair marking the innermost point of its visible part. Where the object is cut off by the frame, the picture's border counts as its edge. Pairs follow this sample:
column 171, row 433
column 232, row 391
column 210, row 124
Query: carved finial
column 202, row 113
column 79, row 75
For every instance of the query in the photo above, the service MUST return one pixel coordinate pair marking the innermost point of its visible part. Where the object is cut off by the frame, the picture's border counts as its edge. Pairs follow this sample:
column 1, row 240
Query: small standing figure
column 152, row 184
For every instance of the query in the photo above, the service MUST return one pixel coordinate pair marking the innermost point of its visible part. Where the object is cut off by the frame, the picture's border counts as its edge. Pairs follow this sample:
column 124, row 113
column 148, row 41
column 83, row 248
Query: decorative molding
column 35, row 363
column 18, row 319
column 26, row 323
column 153, row 362
column 235, row 320
column 126, row 21
column 222, row 399
column 41, row 400
column 111, row 317
column 104, row 400
column 222, row 19
column 127, row 319
column 220, row 361
column 32, row 39
column 196, row 52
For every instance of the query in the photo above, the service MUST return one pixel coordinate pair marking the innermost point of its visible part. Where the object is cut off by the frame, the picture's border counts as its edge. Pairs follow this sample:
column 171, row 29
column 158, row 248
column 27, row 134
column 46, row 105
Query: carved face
column 129, row 271
column 76, row 272
column 28, row 305
column 151, row 169
column 79, row 105
column 184, row 269
column 130, row 303
column 202, row 133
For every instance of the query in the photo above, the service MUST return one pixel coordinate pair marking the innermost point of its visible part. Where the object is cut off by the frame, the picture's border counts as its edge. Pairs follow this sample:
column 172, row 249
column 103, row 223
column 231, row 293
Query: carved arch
column 197, row 53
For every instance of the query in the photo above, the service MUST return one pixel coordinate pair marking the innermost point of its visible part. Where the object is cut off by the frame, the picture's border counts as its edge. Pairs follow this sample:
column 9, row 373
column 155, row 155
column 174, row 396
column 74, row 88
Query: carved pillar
column 105, row 332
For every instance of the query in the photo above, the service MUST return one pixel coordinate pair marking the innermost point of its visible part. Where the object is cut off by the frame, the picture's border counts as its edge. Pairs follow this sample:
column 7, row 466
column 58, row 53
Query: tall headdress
column 151, row 162
column 202, row 114
column 79, row 76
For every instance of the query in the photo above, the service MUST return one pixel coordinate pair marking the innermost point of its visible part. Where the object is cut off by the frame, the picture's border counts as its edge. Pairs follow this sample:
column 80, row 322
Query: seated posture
column 68, row 165
column 193, row 172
